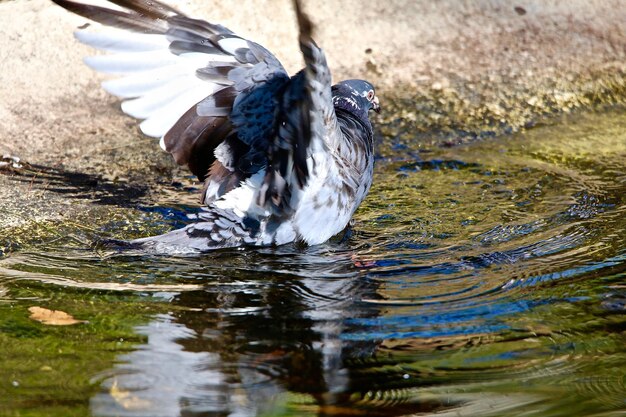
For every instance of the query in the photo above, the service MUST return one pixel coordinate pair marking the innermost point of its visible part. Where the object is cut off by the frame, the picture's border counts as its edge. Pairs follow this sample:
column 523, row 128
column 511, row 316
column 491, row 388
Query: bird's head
column 355, row 96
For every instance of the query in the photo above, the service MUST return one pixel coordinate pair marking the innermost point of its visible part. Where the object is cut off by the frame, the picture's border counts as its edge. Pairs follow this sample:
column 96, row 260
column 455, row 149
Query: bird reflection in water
column 238, row 348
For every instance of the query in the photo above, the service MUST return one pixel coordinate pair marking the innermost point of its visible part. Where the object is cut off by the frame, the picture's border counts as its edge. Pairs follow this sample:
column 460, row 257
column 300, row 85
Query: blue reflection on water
column 463, row 320
column 176, row 216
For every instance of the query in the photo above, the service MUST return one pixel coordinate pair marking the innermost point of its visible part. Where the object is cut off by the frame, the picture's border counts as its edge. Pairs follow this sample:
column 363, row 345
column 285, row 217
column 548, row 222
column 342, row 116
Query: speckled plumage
column 283, row 158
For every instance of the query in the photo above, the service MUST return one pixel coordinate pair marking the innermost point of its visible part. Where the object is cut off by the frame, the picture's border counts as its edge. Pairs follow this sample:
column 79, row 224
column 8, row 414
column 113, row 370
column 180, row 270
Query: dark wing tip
column 137, row 19
column 149, row 8
column 304, row 23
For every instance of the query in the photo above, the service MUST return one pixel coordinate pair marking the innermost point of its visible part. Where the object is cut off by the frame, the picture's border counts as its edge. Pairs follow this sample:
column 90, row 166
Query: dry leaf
column 127, row 400
column 52, row 317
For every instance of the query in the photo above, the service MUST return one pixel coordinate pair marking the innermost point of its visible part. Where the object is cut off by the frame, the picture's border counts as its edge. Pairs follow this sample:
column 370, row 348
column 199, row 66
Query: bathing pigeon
column 283, row 159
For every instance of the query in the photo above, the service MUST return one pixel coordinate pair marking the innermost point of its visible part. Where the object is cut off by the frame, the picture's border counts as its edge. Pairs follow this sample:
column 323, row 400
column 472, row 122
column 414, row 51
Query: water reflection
column 248, row 345
column 157, row 378
column 488, row 280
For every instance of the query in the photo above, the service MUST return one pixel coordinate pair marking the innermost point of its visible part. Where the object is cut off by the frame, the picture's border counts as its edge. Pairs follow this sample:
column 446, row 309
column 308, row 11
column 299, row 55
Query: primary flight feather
column 283, row 158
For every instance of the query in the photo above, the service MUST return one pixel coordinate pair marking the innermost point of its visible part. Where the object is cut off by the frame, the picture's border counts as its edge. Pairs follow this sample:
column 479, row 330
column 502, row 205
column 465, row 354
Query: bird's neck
column 357, row 117
column 348, row 106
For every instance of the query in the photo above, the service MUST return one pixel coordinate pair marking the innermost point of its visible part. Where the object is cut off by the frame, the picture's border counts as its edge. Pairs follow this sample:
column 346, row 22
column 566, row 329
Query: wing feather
column 177, row 72
column 197, row 85
column 116, row 18
column 319, row 103
column 140, row 83
column 153, row 101
column 125, row 63
column 164, row 118
column 120, row 41
column 306, row 123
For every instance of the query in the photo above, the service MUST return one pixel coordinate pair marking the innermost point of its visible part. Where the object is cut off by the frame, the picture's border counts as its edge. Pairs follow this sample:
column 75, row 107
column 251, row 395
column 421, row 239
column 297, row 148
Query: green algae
column 461, row 112
column 53, row 370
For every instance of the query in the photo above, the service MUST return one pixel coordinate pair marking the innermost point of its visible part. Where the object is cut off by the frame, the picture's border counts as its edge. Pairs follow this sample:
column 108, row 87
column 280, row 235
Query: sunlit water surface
column 481, row 280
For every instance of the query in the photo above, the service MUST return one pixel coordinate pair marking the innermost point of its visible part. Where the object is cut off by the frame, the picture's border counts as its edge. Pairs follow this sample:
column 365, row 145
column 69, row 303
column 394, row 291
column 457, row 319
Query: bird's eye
column 370, row 95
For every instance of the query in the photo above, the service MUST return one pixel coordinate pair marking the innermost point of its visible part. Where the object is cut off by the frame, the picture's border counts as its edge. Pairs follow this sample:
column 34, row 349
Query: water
column 481, row 280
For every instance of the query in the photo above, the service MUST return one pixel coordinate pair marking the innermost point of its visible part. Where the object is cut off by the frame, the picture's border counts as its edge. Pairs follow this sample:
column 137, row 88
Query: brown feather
column 115, row 18
column 203, row 151
column 193, row 139
column 228, row 180
column 150, row 8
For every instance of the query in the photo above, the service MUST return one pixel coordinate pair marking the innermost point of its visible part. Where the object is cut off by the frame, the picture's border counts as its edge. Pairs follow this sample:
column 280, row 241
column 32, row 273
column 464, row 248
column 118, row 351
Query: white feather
column 140, row 83
column 162, row 119
column 231, row 45
column 144, row 106
column 243, row 199
column 122, row 41
column 143, row 82
column 131, row 62
column 285, row 234
column 162, row 85
column 313, row 224
column 158, row 126
column 212, row 191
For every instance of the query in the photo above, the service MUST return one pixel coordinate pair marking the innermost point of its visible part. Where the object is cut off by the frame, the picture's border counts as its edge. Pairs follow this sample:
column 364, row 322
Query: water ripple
column 483, row 280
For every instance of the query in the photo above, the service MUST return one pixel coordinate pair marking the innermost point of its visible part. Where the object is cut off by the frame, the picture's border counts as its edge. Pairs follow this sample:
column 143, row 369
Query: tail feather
column 215, row 229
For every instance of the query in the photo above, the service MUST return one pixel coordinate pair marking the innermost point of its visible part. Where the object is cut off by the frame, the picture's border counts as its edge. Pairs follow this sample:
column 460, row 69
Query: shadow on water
column 486, row 280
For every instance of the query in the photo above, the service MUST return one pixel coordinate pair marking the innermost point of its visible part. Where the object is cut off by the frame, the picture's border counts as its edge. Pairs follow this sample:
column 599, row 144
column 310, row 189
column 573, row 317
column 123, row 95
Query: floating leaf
column 52, row 317
column 127, row 400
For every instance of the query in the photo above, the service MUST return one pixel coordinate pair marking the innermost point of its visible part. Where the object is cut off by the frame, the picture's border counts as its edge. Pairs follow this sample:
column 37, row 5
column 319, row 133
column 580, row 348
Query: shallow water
column 480, row 280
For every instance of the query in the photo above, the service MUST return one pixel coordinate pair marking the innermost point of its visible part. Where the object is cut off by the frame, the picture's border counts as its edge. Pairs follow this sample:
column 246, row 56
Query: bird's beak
column 376, row 104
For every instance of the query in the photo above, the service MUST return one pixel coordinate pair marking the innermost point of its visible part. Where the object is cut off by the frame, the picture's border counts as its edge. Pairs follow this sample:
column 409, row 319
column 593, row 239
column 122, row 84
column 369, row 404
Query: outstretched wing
column 318, row 80
column 221, row 104
column 182, row 76
column 307, row 128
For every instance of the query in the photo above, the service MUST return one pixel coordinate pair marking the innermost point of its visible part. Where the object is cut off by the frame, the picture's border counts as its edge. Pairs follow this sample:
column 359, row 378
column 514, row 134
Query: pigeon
column 283, row 158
